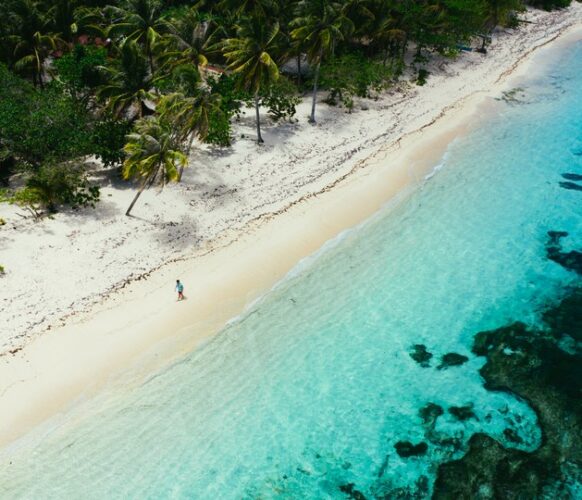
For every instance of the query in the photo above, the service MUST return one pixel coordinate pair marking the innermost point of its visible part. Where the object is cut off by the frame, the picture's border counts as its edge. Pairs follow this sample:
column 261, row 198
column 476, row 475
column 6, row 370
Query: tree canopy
column 114, row 78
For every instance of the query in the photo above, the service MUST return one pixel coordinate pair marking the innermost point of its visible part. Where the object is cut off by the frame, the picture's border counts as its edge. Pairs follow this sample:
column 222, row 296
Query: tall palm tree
column 361, row 13
column 153, row 154
column 30, row 38
column 129, row 82
column 63, row 19
column 31, row 54
column 388, row 33
column 499, row 10
column 252, row 57
column 186, row 41
column 141, row 21
column 319, row 25
column 190, row 114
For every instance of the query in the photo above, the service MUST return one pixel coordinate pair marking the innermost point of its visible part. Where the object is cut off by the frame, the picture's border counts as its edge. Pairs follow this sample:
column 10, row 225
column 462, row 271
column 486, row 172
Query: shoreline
column 118, row 336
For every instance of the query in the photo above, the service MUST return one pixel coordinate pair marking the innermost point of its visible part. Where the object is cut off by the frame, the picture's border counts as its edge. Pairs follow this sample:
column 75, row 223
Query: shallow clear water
column 313, row 387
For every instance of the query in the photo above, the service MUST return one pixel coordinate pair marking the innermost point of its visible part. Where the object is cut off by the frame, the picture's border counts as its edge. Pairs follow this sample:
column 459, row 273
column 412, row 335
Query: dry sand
column 243, row 217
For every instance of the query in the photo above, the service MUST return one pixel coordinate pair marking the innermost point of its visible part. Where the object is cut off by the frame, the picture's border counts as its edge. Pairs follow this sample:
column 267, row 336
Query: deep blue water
column 313, row 387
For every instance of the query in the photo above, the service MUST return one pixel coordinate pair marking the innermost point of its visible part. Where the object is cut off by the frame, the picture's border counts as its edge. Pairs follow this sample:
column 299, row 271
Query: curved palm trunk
column 150, row 56
column 259, row 138
column 181, row 171
column 146, row 182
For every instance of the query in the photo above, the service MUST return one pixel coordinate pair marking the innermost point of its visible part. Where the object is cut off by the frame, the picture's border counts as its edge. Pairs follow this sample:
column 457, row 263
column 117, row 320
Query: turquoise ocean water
column 312, row 387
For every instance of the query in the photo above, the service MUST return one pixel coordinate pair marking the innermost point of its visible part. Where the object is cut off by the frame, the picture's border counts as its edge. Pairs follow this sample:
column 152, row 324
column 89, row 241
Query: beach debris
column 452, row 359
column 406, row 449
column 420, row 355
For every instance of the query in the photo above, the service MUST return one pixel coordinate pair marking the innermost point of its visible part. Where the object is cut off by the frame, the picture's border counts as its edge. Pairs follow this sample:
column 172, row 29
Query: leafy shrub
column 219, row 129
column 53, row 185
column 281, row 99
column 422, row 76
column 2, row 271
column 6, row 164
column 353, row 75
column 231, row 98
column 28, row 199
column 550, row 4
column 108, row 140
column 79, row 68
column 40, row 125
column 512, row 21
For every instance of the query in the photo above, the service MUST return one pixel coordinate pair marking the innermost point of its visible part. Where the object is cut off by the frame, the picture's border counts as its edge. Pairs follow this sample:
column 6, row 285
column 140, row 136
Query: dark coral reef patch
column 531, row 364
column 570, row 260
column 406, row 449
column 452, row 359
column 420, row 354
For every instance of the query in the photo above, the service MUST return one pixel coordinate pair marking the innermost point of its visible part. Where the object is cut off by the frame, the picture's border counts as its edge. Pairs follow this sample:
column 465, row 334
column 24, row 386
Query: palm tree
column 31, row 54
column 153, row 154
column 388, row 33
column 499, row 10
column 251, row 56
column 254, row 8
column 31, row 38
column 318, row 26
column 361, row 14
column 141, row 21
column 129, row 82
column 186, row 41
column 63, row 19
column 190, row 115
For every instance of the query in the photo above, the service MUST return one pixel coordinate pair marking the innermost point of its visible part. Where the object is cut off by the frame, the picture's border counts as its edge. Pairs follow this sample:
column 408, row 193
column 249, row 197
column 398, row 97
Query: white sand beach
column 88, row 294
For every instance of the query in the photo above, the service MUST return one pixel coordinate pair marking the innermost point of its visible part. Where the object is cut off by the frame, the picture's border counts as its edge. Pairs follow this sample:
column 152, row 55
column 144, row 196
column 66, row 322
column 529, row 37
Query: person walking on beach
column 180, row 290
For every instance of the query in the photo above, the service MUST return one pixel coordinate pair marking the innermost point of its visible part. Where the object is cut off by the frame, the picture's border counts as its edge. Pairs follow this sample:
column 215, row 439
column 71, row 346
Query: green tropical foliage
column 252, row 56
column 140, row 21
column 319, row 26
column 54, row 185
column 40, row 125
column 79, row 68
column 141, row 82
column 129, row 83
column 153, row 154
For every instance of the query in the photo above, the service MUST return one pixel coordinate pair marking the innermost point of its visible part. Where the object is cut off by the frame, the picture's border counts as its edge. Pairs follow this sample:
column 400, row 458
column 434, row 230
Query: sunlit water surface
column 312, row 388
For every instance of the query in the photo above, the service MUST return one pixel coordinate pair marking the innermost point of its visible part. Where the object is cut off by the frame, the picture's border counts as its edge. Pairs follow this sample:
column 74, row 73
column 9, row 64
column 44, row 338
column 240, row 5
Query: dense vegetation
column 136, row 82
